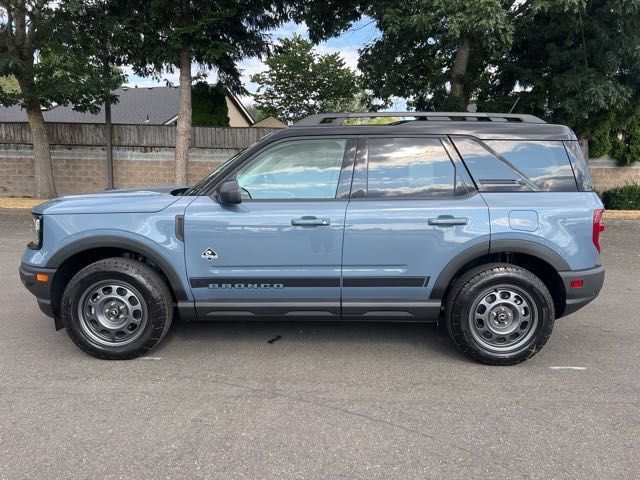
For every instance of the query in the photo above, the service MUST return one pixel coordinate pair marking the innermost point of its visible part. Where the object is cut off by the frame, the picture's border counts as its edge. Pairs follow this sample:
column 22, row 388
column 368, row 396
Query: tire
column 117, row 309
column 499, row 314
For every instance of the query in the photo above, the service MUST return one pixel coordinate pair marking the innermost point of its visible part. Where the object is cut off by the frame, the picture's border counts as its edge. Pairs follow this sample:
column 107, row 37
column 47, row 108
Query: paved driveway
column 326, row 401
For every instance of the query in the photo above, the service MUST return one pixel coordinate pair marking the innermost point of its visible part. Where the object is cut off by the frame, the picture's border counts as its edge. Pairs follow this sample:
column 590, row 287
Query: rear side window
column 509, row 165
column 409, row 167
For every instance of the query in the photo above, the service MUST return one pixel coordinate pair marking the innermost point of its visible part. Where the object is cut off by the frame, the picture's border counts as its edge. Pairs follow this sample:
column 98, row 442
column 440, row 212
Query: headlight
column 37, row 233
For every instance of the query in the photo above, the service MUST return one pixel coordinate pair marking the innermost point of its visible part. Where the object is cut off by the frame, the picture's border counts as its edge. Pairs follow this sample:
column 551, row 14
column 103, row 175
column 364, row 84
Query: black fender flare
column 527, row 247
column 107, row 241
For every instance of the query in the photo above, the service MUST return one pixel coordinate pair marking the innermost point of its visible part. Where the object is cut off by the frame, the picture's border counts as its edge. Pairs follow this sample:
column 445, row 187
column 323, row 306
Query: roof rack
column 334, row 119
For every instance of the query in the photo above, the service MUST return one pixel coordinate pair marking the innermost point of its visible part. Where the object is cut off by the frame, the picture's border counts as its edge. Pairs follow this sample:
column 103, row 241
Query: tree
column 432, row 52
column 569, row 61
column 36, row 48
column 209, row 105
column 212, row 34
column 256, row 113
column 573, row 62
column 299, row 82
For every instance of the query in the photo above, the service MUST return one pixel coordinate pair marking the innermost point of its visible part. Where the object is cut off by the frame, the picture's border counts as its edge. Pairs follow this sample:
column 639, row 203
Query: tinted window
column 580, row 167
column 544, row 163
column 401, row 167
column 489, row 173
column 293, row 170
column 509, row 165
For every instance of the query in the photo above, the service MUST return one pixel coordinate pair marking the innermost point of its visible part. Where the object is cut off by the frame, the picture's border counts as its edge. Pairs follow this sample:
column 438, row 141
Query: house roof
column 270, row 122
column 12, row 114
column 141, row 106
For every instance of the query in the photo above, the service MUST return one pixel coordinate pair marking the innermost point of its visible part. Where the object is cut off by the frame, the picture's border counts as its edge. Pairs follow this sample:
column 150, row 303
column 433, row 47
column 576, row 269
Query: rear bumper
column 592, row 281
column 41, row 290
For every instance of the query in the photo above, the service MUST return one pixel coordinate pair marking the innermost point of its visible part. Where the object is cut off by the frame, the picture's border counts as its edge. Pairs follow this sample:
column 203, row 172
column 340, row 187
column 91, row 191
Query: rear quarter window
column 516, row 165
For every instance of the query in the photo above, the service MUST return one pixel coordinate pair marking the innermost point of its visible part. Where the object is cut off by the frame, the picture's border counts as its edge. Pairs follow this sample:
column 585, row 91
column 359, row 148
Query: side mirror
column 229, row 193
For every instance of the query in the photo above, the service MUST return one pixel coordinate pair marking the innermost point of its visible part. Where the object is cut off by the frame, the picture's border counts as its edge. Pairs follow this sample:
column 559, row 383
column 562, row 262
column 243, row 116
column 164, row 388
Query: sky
column 346, row 45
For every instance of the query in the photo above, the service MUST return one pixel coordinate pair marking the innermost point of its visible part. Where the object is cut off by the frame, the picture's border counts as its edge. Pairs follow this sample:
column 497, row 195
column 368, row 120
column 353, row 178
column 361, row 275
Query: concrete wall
column 607, row 174
column 80, row 169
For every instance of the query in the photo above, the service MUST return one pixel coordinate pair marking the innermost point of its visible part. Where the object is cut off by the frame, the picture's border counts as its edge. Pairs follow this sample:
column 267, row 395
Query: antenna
column 514, row 104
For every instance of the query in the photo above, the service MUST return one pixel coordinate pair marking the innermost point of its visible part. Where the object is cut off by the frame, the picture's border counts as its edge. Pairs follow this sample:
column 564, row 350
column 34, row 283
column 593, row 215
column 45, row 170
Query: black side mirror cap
column 229, row 193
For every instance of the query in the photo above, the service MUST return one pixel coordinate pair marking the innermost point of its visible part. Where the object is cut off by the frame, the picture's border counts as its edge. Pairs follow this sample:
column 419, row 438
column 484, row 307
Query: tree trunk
column 458, row 71
column 183, row 127
column 45, row 186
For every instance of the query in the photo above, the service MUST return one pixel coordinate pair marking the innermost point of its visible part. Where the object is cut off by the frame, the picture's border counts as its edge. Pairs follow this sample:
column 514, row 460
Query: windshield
column 197, row 188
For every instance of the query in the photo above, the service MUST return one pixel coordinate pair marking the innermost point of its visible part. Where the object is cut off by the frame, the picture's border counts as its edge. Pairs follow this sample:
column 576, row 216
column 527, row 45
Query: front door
column 411, row 214
column 279, row 252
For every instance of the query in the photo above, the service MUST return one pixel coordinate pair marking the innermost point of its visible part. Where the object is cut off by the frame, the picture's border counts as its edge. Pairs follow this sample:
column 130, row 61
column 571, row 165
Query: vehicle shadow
column 310, row 335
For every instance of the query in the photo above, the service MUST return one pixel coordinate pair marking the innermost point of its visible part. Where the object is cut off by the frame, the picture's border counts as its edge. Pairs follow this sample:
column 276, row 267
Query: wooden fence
column 135, row 135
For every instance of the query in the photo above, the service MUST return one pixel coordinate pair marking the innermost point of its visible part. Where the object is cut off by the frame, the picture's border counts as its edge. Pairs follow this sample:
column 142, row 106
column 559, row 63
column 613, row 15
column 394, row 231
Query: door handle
column 448, row 220
column 310, row 222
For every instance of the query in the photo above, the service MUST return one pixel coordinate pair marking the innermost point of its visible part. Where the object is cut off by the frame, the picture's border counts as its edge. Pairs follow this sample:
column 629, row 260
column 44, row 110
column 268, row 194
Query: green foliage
column 618, row 135
column 217, row 34
column 572, row 61
column 256, row 113
column 299, row 82
column 9, row 84
column 69, row 68
column 209, row 105
column 415, row 54
column 600, row 140
column 575, row 62
column 626, row 142
column 626, row 197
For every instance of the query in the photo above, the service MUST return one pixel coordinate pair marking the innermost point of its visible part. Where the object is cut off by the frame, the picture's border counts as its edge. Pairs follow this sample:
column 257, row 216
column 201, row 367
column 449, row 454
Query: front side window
column 298, row 169
column 409, row 167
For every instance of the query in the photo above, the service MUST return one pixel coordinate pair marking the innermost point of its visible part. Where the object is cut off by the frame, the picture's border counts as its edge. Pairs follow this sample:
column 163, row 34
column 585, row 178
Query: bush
column 626, row 197
column 209, row 105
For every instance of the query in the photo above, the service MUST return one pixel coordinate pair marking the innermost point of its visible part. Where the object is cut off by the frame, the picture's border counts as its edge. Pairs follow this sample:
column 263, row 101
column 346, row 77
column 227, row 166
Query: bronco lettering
column 246, row 285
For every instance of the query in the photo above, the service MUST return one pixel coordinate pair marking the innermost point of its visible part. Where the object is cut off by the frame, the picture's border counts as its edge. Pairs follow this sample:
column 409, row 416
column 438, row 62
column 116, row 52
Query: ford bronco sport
column 486, row 223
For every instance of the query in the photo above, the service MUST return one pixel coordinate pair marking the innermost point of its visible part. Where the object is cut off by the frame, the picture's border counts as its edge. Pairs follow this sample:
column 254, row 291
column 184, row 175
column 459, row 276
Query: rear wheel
column 499, row 314
column 117, row 308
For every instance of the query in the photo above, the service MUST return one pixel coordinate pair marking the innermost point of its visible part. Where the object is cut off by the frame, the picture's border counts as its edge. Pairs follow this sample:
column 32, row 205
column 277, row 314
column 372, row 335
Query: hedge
column 626, row 197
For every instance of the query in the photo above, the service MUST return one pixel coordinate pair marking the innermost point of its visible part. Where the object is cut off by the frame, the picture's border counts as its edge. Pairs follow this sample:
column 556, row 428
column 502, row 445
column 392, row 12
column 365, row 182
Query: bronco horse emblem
column 209, row 254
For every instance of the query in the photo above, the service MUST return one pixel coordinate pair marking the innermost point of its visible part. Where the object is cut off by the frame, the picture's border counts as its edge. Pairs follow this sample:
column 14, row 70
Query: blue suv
column 486, row 223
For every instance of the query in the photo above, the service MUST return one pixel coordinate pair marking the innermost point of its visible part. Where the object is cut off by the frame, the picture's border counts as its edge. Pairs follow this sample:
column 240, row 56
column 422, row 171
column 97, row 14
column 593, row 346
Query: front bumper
column 41, row 289
column 592, row 281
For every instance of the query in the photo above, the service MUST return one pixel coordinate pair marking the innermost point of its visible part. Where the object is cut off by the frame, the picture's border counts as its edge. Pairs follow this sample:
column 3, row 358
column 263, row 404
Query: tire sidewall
column 469, row 293
column 155, row 304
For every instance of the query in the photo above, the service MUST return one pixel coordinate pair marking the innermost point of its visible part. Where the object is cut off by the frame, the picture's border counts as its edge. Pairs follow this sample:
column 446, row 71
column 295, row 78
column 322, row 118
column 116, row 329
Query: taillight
column 598, row 226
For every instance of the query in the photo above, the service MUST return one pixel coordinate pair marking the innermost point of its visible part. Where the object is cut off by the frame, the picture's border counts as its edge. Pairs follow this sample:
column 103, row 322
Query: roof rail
column 333, row 119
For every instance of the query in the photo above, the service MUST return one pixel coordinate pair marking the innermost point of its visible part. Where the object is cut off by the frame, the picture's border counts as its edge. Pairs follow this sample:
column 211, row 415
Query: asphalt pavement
column 323, row 401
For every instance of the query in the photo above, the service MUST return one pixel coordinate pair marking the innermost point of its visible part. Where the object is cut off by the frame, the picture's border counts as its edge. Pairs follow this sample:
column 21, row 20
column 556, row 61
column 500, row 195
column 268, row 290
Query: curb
column 622, row 214
column 21, row 203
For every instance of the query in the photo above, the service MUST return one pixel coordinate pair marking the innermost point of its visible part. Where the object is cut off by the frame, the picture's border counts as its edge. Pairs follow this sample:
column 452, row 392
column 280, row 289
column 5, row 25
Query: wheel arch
column 537, row 258
column 71, row 258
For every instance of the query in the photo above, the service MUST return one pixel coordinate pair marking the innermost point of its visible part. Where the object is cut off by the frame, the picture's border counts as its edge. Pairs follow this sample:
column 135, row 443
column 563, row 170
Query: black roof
column 481, row 130
column 485, row 126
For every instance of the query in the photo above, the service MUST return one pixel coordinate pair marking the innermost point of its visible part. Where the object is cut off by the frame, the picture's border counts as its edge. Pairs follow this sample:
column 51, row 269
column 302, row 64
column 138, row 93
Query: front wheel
column 117, row 309
column 499, row 314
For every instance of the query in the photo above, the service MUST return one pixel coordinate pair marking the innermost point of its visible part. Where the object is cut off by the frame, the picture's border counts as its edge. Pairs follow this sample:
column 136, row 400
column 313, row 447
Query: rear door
column 413, row 209
column 279, row 252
